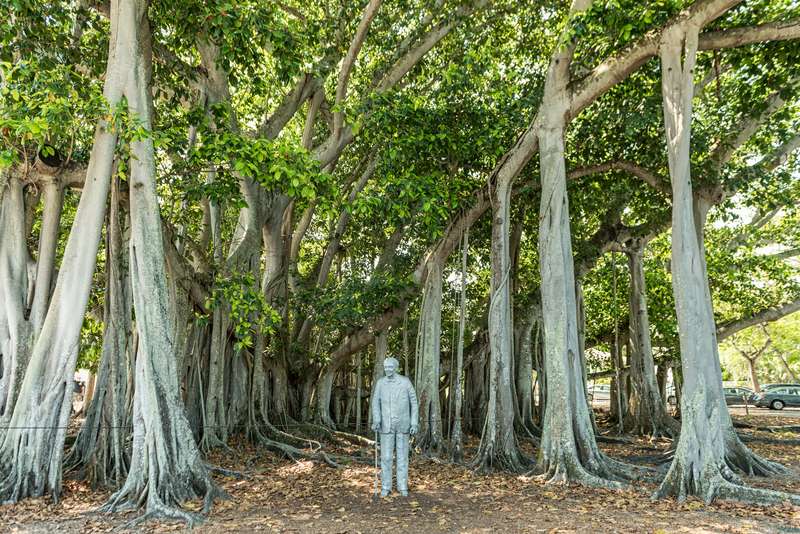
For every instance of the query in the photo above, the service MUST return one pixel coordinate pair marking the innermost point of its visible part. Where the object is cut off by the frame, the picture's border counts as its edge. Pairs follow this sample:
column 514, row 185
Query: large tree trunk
column 15, row 330
column 99, row 452
column 166, row 466
column 499, row 448
column 381, row 348
column 529, row 328
column 708, row 450
column 648, row 412
column 569, row 450
column 428, row 373
column 30, row 456
column 274, row 287
column 752, row 366
column 457, row 438
column 52, row 200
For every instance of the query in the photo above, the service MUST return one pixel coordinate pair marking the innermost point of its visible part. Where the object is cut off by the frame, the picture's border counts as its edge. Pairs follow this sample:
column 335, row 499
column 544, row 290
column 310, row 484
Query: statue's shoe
column 385, row 493
column 404, row 493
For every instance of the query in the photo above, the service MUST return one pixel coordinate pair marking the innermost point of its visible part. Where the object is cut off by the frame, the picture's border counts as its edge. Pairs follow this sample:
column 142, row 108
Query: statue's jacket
column 394, row 404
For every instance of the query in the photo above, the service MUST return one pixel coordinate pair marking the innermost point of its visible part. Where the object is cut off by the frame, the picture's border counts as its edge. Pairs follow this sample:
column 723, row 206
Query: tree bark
column 324, row 391
column 648, row 413
column 457, row 438
column 30, row 457
column 214, row 423
column 428, row 373
column 751, row 363
column 52, row 196
column 166, row 466
column 569, row 450
column 15, row 330
column 708, row 449
column 499, row 448
column 100, row 453
column 531, row 323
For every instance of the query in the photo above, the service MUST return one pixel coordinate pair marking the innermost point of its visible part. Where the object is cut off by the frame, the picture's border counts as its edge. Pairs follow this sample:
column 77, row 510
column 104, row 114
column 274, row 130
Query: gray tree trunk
column 52, row 199
column 499, row 448
column 530, row 327
column 428, row 372
column 15, row 330
column 648, row 412
column 708, row 449
column 30, row 456
column 752, row 365
column 324, row 391
column 166, row 466
column 457, row 438
column 100, row 452
column 569, row 450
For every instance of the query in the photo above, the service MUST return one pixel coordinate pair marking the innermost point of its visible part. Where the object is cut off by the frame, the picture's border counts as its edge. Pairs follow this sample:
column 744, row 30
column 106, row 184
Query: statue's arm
column 376, row 404
column 412, row 399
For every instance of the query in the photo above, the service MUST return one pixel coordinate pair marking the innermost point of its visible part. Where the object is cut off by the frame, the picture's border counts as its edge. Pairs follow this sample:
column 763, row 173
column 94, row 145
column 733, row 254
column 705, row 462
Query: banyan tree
column 233, row 212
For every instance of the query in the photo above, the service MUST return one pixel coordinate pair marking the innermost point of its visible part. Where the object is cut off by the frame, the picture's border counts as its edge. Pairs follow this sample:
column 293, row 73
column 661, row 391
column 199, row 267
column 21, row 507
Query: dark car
column 738, row 395
column 778, row 398
column 768, row 387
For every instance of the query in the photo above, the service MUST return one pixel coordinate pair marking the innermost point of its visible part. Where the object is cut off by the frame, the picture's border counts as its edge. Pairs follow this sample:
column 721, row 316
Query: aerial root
column 158, row 510
column 562, row 473
column 735, row 492
column 489, row 461
column 211, row 442
column 628, row 472
column 745, row 461
column 312, row 444
column 354, row 438
column 719, row 481
column 227, row 472
column 294, row 453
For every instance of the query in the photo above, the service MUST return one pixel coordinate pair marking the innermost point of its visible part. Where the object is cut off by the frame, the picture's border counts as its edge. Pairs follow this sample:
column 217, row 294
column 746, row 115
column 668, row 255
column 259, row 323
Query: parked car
column 767, row 387
column 779, row 397
column 599, row 392
column 738, row 395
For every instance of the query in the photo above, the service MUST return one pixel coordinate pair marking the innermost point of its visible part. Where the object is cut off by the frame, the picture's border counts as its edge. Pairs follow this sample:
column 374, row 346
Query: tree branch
column 349, row 60
column 774, row 31
column 407, row 62
column 785, row 254
column 764, row 316
column 305, row 86
column 651, row 178
column 618, row 67
column 722, row 153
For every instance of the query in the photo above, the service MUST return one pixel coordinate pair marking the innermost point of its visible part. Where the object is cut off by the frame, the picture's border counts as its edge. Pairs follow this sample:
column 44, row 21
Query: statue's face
column 390, row 368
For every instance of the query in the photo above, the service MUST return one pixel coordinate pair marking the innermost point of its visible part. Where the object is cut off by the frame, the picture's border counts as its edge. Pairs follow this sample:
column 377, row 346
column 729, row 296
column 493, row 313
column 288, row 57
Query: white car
column 599, row 392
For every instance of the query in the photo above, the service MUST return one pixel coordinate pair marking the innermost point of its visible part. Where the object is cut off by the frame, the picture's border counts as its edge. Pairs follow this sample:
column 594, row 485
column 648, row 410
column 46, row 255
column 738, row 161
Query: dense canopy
column 233, row 211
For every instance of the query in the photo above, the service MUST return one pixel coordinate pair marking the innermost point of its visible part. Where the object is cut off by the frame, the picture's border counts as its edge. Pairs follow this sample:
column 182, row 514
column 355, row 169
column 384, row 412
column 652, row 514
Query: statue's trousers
column 389, row 443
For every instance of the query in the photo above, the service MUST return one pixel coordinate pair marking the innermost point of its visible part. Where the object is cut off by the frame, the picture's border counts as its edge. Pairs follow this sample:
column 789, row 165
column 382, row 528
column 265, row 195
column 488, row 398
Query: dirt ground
column 283, row 496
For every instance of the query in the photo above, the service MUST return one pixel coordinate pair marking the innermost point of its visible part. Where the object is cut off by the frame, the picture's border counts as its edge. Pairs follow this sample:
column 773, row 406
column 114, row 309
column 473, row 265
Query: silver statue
column 395, row 414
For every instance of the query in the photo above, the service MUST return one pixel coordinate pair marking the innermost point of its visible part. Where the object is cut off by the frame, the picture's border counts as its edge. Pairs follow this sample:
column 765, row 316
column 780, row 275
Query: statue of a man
column 395, row 414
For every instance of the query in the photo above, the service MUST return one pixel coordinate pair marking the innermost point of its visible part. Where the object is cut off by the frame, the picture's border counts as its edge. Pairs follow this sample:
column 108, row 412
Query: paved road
column 786, row 413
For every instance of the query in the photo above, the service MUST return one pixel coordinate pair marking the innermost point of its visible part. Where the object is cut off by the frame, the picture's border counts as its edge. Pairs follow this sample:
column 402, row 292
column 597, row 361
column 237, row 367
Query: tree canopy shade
column 233, row 211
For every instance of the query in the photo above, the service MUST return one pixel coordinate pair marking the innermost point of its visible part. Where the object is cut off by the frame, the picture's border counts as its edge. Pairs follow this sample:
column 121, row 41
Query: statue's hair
column 393, row 361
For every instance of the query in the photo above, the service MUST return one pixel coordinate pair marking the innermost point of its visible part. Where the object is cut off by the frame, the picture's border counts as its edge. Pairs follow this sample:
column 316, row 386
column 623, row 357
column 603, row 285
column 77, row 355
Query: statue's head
column 390, row 366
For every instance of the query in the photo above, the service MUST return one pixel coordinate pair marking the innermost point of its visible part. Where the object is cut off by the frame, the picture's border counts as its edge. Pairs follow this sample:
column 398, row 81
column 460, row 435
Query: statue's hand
column 376, row 427
column 413, row 430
